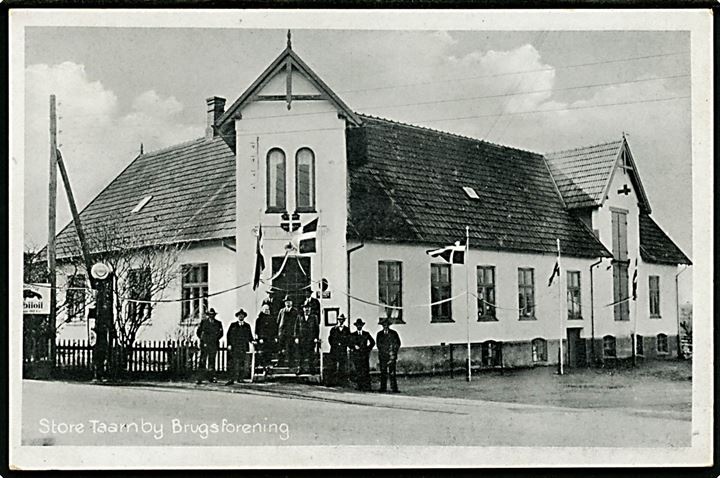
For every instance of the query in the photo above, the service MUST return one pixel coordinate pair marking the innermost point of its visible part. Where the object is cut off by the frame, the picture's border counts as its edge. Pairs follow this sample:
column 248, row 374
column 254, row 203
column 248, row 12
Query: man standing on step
column 210, row 331
column 361, row 344
column 388, row 344
column 266, row 330
column 286, row 331
column 239, row 336
column 339, row 340
column 307, row 330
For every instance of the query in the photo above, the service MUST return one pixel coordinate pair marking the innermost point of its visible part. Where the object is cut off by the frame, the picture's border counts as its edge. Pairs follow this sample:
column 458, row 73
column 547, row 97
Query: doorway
column 576, row 348
column 293, row 281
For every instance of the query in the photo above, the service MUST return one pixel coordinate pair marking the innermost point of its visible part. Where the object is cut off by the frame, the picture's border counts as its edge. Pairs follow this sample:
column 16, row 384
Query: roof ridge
column 446, row 133
column 172, row 147
column 580, row 148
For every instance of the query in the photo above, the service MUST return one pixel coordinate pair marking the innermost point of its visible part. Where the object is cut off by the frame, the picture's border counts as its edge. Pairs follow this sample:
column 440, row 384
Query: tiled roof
column 406, row 186
column 656, row 246
column 582, row 174
column 193, row 198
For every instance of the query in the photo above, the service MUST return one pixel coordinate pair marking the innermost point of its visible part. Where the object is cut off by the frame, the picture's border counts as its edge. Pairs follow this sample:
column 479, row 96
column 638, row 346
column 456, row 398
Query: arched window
column 662, row 344
column 276, row 180
column 539, row 350
column 609, row 346
column 490, row 353
column 305, row 180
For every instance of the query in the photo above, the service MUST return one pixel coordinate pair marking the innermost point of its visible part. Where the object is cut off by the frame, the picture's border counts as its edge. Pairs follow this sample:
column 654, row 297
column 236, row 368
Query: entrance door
column 294, row 281
column 576, row 348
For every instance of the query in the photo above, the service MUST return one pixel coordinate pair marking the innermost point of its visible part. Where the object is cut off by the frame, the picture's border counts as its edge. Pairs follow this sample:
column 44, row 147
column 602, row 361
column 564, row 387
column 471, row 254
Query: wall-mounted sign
column 36, row 299
column 331, row 316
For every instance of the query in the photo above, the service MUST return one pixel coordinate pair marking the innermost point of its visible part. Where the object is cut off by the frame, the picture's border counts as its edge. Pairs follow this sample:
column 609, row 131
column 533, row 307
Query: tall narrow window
column 75, row 297
column 573, row 295
column 539, row 350
column 139, row 288
column 390, row 288
column 486, row 292
column 609, row 349
column 620, row 291
column 276, row 180
column 526, row 293
column 305, row 180
column 662, row 344
column 619, row 235
column 440, row 290
column 639, row 345
column 490, row 354
column 654, row 290
column 194, row 291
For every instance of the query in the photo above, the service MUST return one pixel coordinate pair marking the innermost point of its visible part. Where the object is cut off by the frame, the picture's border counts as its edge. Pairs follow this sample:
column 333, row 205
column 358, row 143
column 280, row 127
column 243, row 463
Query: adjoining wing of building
column 289, row 151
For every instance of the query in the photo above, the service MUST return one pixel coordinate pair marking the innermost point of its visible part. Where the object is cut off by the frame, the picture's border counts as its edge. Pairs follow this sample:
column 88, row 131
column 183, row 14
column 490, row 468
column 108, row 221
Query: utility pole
column 52, row 193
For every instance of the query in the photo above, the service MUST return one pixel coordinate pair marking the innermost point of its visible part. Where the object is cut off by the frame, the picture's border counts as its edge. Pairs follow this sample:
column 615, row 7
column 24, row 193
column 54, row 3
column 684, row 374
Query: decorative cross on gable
column 290, row 223
column 625, row 190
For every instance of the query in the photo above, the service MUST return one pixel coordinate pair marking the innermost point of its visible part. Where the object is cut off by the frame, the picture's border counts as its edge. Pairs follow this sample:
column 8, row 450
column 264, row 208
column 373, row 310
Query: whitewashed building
column 289, row 151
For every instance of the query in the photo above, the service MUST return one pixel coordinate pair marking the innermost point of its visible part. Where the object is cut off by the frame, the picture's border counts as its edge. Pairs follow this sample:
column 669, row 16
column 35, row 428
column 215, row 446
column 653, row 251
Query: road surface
column 64, row 413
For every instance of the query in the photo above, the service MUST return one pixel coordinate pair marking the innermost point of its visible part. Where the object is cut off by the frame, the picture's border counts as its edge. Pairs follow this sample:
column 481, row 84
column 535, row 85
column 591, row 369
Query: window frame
column 133, row 308
column 283, row 207
column 621, row 290
column 573, row 302
column 639, row 345
column 606, row 340
column 386, row 283
column 434, row 285
column 312, row 191
column 664, row 350
column 491, row 353
column 482, row 289
column 654, row 293
column 75, row 299
column 539, row 354
column 200, row 299
column 522, row 291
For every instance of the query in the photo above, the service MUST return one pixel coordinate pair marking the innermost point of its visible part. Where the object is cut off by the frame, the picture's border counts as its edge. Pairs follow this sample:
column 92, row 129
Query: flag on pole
column 259, row 259
column 454, row 254
column 307, row 238
column 555, row 273
column 634, row 282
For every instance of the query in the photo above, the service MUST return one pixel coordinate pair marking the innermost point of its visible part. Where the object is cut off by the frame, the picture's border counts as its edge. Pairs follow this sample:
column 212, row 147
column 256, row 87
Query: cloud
column 96, row 137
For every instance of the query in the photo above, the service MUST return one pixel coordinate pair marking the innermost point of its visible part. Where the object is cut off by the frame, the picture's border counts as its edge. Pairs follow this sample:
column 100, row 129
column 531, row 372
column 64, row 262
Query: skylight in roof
column 141, row 204
column 471, row 192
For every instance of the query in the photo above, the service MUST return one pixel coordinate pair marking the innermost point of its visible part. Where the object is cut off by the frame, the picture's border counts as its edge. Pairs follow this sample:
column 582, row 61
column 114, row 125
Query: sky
column 537, row 90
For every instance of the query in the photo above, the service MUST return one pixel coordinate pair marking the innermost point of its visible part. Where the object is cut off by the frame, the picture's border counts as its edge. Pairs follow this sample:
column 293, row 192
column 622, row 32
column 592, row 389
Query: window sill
column 655, row 316
column 439, row 320
column 575, row 318
column 275, row 211
column 622, row 320
column 487, row 318
column 306, row 210
column 527, row 317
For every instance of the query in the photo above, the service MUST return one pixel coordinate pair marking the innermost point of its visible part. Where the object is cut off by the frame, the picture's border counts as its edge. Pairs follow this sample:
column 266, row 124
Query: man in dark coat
column 361, row 344
column 388, row 344
column 210, row 331
column 239, row 336
column 266, row 331
column 339, row 340
column 307, row 330
column 286, row 331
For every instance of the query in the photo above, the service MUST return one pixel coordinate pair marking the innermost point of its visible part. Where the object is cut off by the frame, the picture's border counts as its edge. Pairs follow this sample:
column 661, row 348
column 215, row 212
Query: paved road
column 60, row 413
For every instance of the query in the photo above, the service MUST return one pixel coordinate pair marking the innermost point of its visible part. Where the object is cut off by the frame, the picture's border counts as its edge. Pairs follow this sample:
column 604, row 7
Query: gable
column 656, row 247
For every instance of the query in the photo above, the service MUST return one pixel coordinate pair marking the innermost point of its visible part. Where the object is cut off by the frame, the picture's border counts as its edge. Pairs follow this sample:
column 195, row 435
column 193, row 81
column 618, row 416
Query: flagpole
column 467, row 299
column 560, row 302
column 634, row 334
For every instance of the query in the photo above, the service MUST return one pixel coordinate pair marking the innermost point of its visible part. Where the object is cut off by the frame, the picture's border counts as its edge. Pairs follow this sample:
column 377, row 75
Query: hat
column 384, row 321
column 359, row 321
column 241, row 312
column 341, row 317
column 287, row 298
column 211, row 312
column 307, row 303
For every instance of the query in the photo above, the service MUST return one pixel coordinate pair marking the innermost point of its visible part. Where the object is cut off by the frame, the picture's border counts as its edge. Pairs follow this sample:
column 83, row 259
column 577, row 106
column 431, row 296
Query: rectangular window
column 620, row 291
column 526, row 293
column 654, row 291
column 490, row 354
column 390, row 287
column 75, row 297
column 662, row 344
column 539, row 350
column 139, row 288
column 486, row 293
column 619, row 235
column 440, row 289
column 194, row 291
column 573, row 295
column 639, row 345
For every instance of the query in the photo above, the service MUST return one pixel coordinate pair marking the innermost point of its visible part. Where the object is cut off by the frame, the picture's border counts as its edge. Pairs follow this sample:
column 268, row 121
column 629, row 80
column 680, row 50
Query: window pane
column 276, row 179
column 305, row 178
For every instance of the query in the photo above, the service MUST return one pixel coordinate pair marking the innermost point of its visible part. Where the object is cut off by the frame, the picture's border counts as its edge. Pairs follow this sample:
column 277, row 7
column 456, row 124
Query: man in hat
column 307, row 330
column 286, row 331
column 266, row 331
column 210, row 331
column 361, row 343
column 339, row 340
column 239, row 336
column 388, row 344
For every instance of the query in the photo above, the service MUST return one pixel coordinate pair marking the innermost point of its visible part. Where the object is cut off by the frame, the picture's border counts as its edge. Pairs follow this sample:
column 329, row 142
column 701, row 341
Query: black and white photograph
column 262, row 239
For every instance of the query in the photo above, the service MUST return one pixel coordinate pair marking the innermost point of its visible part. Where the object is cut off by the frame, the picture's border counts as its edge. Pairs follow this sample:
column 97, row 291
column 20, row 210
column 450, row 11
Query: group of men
column 295, row 338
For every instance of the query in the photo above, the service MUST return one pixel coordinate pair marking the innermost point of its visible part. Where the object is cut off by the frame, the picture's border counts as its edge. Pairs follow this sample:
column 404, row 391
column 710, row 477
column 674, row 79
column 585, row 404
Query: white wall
column 418, row 329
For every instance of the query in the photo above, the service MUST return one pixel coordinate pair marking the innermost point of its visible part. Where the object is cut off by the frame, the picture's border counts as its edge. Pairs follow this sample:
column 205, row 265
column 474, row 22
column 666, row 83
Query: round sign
column 100, row 271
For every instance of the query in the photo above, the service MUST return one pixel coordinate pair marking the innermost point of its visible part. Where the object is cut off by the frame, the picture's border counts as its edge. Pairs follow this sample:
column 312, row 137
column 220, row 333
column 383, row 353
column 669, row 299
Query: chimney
column 215, row 109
